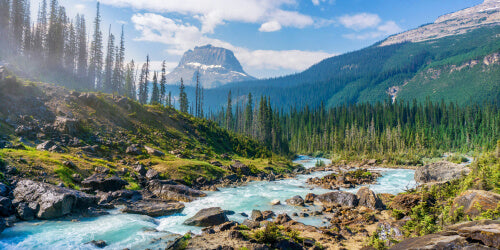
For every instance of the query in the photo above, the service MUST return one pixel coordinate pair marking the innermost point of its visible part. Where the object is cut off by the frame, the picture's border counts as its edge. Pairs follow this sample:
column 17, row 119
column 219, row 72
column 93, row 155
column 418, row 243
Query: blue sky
column 269, row 37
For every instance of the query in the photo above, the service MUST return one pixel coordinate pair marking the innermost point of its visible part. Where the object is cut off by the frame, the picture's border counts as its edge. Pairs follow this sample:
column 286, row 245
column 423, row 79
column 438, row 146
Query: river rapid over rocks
column 132, row 231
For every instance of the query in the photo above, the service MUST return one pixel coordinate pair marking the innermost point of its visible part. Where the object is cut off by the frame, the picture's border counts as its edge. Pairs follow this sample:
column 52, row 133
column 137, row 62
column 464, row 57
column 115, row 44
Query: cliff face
column 460, row 22
column 216, row 67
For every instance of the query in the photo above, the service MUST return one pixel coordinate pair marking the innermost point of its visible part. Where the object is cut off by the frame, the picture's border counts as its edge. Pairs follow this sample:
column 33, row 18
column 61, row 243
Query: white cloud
column 270, row 26
column 360, row 21
column 180, row 37
column 215, row 12
column 385, row 29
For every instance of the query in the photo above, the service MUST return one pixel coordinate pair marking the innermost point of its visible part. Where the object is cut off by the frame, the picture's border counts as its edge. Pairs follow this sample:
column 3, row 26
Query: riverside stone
column 207, row 217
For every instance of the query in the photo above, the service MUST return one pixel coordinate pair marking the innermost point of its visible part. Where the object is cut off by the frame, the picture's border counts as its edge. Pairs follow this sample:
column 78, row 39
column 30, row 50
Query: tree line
column 370, row 128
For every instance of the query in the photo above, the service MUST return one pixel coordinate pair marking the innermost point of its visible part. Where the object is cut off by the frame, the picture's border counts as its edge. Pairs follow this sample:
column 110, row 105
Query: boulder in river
column 257, row 215
column 337, row 198
column 369, row 199
column 309, row 198
column 52, row 201
column 168, row 190
column 5, row 206
column 102, row 183
column 440, row 172
column 295, row 201
column 207, row 217
column 153, row 208
column 474, row 202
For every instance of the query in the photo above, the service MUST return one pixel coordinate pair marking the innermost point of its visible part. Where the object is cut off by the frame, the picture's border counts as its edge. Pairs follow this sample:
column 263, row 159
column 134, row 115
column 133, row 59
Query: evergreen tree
column 197, row 94
column 229, row 111
column 4, row 24
column 108, row 63
column 17, row 15
column 163, row 83
column 183, row 100
column 249, row 114
column 130, row 89
column 118, row 72
column 81, row 44
column 70, row 50
column 143, row 84
column 96, row 56
column 155, row 94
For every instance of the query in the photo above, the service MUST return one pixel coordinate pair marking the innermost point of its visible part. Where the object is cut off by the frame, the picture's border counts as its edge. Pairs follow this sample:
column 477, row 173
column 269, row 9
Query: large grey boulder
column 51, row 201
column 168, row 190
column 5, row 206
column 152, row 151
column 337, row 198
column 295, row 201
column 66, row 125
column 153, row 208
column 369, row 199
column 474, row 202
column 440, row 172
column 207, row 217
column 102, row 183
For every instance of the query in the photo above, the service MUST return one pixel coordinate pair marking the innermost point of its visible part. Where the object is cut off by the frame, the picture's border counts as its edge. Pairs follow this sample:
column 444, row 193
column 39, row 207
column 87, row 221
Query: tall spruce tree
column 163, row 83
column 155, row 94
column 108, row 63
column 118, row 72
column 81, row 61
column 229, row 111
column 130, row 89
column 183, row 100
column 96, row 54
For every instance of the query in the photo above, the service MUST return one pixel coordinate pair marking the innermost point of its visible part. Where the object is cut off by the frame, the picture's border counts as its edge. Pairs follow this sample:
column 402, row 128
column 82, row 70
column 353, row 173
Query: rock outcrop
column 168, row 190
column 50, row 201
column 153, row 208
column 99, row 182
column 369, row 199
column 483, row 234
column 473, row 202
column 440, row 172
column 337, row 198
column 207, row 217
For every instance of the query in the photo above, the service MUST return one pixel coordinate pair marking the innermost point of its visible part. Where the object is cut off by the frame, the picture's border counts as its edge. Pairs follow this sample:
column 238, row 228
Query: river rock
column 309, row 198
column 282, row 219
column 240, row 168
column 440, row 172
column 405, row 202
column 168, row 190
column 369, row 199
column 3, row 224
column 275, row 202
column 153, row 208
column 336, row 198
column 5, row 206
column 152, row 151
column 295, row 201
column 257, row 215
column 52, row 201
column 102, row 183
column 4, row 189
column 474, row 202
column 251, row 224
column 25, row 212
column 98, row 243
column 207, row 217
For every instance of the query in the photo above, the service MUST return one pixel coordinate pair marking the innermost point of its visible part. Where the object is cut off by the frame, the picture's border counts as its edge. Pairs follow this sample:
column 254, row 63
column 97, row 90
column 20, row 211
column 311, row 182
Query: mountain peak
column 456, row 23
column 216, row 66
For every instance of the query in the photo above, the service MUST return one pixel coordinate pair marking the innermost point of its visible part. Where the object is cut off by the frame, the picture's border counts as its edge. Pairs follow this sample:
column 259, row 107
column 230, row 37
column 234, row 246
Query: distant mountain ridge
column 460, row 22
column 216, row 66
column 461, row 64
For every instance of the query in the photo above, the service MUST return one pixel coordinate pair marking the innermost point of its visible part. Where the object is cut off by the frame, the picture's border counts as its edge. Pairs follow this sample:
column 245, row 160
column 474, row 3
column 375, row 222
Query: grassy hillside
column 97, row 128
column 462, row 69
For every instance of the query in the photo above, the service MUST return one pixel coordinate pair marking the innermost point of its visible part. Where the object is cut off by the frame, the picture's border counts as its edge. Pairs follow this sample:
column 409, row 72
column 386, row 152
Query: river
column 138, row 231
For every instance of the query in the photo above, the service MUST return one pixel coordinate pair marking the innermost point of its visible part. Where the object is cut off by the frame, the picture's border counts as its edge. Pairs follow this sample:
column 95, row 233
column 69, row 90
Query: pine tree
column 130, row 89
column 163, row 83
column 70, row 50
column 155, row 94
column 169, row 100
column 118, row 72
column 81, row 62
column 229, row 111
column 27, row 32
column 183, row 100
column 95, row 62
column 17, row 15
column 143, row 84
column 4, row 24
column 197, row 94
column 108, row 63
column 249, row 114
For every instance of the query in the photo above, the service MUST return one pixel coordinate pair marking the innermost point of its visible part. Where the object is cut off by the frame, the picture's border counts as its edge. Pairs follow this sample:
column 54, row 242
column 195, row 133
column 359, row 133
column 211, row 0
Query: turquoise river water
column 139, row 232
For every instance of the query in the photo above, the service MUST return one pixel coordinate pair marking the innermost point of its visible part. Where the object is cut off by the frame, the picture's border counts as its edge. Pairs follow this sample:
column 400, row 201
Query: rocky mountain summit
column 456, row 23
column 216, row 66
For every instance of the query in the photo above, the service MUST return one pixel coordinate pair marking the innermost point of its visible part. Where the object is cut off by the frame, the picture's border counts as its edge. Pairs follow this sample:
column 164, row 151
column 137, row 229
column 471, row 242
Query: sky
column 269, row 37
